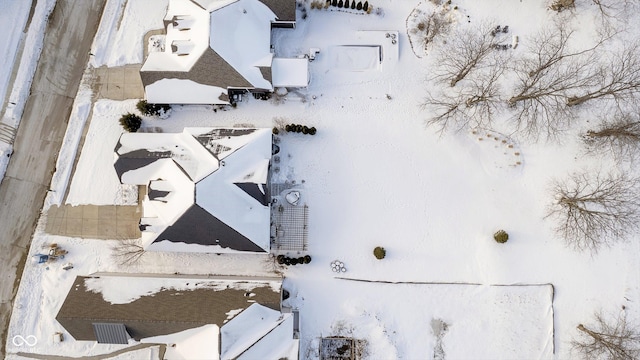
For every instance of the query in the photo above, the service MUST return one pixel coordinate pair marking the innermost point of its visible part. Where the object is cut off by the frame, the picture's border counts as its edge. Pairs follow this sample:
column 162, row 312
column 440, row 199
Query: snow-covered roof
column 290, row 72
column 197, row 343
column 184, row 91
column 207, row 188
column 259, row 333
column 232, row 40
column 181, row 13
column 152, row 305
column 241, row 34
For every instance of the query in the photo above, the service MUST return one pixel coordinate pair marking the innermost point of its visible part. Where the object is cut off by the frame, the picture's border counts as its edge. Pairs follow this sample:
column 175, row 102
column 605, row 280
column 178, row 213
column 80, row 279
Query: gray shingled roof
column 285, row 10
column 210, row 69
column 162, row 313
column 198, row 226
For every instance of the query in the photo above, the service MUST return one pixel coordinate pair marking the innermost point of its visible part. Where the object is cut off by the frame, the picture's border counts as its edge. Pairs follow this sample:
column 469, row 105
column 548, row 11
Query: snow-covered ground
column 374, row 175
column 122, row 28
column 14, row 16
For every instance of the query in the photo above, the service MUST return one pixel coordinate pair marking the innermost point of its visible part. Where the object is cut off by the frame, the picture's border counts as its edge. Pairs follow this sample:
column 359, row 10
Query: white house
column 206, row 188
column 216, row 49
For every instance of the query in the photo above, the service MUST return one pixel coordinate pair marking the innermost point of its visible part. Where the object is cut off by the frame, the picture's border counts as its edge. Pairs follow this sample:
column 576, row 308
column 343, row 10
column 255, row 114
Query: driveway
column 65, row 53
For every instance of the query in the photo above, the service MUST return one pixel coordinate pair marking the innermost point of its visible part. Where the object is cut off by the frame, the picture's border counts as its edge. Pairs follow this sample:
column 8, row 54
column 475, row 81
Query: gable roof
column 207, row 188
column 189, row 304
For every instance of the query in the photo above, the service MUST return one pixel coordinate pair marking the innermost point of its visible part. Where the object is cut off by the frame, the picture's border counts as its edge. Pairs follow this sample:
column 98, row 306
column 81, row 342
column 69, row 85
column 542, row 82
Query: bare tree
column 127, row 251
column 618, row 78
column 427, row 27
column 592, row 210
column 619, row 135
column 466, row 51
column 472, row 106
column 615, row 10
column 544, row 77
column 612, row 338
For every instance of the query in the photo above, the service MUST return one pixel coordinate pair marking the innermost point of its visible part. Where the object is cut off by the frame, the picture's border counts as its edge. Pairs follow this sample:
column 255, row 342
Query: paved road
column 65, row 54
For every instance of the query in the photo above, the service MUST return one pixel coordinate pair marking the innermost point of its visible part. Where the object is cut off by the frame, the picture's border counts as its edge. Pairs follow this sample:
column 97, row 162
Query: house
column 213, row 317
column 215, row 50
column 206, row 188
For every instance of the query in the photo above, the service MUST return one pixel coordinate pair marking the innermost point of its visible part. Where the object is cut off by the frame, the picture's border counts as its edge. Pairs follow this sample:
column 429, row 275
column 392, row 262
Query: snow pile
column 13, row 15
column 28, row 62
column 31, row 52
column 77, row 120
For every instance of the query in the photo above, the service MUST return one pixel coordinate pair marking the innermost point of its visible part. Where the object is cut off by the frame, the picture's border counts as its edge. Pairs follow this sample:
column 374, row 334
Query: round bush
column 379, row 252
column 280, row 259
column 501, row 236
column 275, row 131
column 312, row 131
column 130, row 122
column 307, row 259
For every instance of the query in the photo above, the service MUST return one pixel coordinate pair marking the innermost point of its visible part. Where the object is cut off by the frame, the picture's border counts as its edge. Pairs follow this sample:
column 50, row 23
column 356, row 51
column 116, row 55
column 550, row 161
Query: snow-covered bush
column 379, row 252
column 130, row 122
column 501, row 236
column 559, row 5
column 159, row 110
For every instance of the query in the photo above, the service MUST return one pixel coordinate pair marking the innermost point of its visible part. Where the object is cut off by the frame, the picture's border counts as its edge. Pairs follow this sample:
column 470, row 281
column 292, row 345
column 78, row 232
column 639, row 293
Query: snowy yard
column 375, row 175
column 491, row 321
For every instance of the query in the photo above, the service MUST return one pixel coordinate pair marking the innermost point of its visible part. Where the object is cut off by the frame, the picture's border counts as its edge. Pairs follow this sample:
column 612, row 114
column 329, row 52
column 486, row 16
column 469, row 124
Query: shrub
column 334, row 3
column 152, row 109
column 379, row 252
column 130, row 122
column 312, row 131
column 346, row 4
column 340, row 3
column 275, row 131
column 305, row 130
column 559, row 5
column 280, row 259
column 353, row 5
column 501, row 236
column 359, row 6
column 365, row 7
column 307, row 259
